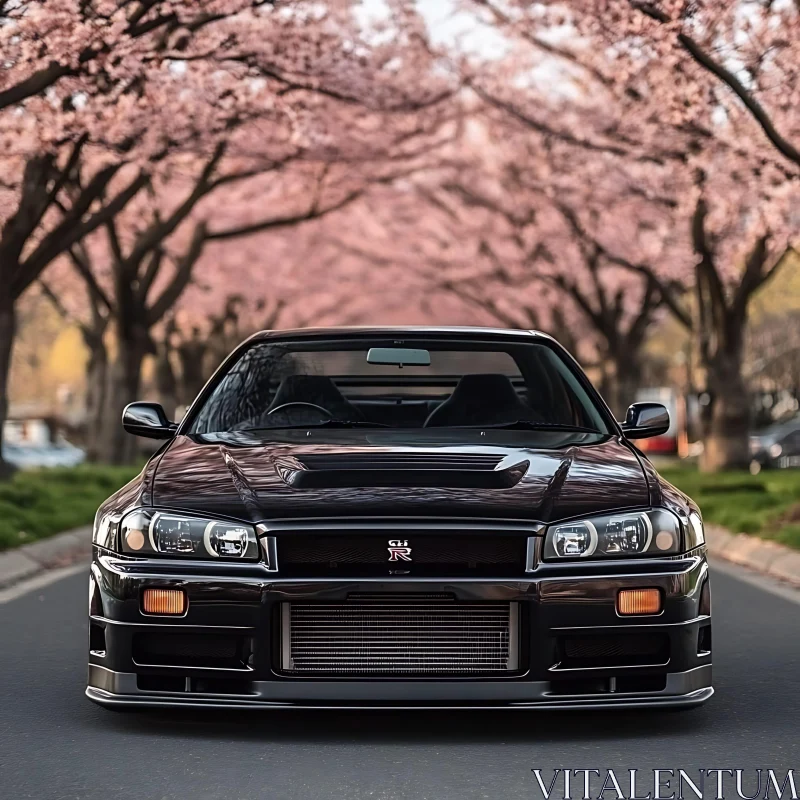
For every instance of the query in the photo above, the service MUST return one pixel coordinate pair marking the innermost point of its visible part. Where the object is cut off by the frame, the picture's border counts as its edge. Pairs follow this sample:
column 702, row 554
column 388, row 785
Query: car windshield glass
column 385, row 384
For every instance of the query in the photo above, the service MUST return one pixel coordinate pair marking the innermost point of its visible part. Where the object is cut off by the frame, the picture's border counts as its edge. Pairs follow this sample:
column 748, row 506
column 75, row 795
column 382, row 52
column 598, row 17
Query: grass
column 39, row 503
column 766, row 505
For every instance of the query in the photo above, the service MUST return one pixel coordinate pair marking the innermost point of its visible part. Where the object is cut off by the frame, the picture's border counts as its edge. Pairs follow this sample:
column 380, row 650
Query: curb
column 56, row 551
column 761, row 555
column 66, row 548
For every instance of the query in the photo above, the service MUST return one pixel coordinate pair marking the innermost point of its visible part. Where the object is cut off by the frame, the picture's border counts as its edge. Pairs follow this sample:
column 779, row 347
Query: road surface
column 55, row 744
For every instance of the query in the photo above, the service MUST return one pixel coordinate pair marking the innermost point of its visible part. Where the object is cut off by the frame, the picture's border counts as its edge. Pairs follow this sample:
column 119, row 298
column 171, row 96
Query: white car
column 60, row 454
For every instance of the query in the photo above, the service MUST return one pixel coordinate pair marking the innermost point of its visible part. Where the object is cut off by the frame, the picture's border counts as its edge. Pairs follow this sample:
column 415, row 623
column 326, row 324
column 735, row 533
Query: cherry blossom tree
column 744, row 51
column 135, row 273
column 69, row 74
column 637, row 91
column 121, row 90
column 497, row 229
column 44, row 43
column 614, row 161
column 558, row 266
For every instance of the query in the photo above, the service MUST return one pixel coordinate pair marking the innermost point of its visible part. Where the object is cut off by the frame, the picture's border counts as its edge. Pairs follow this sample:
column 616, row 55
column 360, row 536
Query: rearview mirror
column 644, row 420
column 149, row 420
column 399, row 357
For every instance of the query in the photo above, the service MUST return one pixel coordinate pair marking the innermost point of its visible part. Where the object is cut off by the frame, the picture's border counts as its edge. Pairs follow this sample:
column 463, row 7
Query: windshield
column 389, row 384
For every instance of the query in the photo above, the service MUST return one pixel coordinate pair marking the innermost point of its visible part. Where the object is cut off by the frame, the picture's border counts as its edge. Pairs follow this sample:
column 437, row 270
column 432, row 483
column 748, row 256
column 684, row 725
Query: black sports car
column 420, row 517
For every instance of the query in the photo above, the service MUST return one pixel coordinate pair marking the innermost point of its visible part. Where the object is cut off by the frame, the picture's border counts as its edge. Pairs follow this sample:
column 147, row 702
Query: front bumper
column 244, row 601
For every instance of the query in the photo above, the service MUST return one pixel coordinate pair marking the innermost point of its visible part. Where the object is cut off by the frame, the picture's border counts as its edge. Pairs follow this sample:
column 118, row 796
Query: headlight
column 173, row 534
column 695, row 535
column 636, row 533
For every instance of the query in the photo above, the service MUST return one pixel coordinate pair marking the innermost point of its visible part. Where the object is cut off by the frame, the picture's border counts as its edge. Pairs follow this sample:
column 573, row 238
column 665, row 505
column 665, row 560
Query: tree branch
column 45, row 77
column 274, row 313
column 114, row 244
column 70, row 230
column 158, row 230
column 480, row 300
column 54, row 300
column 280, row 222
column 151, row 271
column 708, row 63
column 665, row 289
column 752, row 278
column 83, row 268
column 706, row 268
column 569, row 138
column 641, row 322
column 34, row 84
column 543, row 44
column 60, row 181
column 183, row 274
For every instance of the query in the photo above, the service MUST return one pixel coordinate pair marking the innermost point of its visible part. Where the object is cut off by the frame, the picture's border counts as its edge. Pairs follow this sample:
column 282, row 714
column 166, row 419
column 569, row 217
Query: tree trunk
column 622, row 378
column 627, row 382
column 7, row 331
column 122, row 387
column 605, row 379
column 726, row 444
column 192, row 357
column 96, row 385
column 166, row 382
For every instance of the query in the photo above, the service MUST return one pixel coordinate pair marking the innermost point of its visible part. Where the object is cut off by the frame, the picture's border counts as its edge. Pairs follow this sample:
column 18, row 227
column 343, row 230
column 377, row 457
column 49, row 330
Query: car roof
column 410, row 331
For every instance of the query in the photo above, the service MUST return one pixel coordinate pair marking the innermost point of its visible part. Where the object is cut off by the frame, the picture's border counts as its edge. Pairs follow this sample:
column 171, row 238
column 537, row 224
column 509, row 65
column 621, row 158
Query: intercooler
column 399, row 635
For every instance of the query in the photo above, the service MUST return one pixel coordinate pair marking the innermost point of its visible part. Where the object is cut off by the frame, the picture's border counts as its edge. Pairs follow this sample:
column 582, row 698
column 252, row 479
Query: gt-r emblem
column 399, row 550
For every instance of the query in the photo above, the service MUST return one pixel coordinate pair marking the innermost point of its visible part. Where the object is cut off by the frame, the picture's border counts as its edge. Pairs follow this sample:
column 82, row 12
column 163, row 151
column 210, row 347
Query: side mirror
column 644, row 420
column 147, row 419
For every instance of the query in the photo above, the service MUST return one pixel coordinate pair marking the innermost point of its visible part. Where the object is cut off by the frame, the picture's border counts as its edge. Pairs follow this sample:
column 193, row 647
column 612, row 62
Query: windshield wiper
column 529, row 425
column 328, row 423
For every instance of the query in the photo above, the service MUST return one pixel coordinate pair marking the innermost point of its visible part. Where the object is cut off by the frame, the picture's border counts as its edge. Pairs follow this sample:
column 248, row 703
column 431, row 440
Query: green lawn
column 39, row 503
column 767, row 504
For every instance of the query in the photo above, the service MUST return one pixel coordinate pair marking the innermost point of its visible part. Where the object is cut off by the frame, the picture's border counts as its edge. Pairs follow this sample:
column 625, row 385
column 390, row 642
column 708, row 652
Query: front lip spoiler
column 120, row 689
column 691, row 700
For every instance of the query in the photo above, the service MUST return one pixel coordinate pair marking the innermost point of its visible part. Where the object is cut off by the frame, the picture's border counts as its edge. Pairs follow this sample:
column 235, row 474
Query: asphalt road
column 56, row 744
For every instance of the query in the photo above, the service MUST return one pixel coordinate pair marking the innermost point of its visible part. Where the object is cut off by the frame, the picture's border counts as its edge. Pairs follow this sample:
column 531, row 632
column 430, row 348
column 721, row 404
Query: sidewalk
column 57, row 551
column 762, row 555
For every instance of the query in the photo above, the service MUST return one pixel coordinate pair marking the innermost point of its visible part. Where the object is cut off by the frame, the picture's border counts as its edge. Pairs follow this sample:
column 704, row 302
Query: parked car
column 776, row 447
column 55, row 454
column 412, row 518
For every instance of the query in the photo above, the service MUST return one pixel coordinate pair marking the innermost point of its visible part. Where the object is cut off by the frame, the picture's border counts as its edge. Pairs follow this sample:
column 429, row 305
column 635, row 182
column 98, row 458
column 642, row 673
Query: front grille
column 365, row 555
column 393, row 636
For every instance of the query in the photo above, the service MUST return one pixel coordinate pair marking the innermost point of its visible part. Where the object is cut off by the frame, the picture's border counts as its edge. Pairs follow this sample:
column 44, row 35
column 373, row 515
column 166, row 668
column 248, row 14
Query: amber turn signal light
column 639, row 601
column 164, row 601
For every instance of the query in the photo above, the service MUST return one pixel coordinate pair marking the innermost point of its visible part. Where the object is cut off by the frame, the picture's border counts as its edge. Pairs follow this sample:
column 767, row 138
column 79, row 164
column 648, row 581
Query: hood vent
column 354, row 470
column 323, row 461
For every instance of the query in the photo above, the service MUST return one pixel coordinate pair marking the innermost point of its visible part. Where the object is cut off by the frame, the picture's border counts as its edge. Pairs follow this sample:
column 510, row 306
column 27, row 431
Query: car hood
column 514, row 475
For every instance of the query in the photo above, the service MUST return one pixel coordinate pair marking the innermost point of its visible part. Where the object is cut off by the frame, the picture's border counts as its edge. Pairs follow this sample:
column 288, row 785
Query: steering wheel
column 301, row 403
